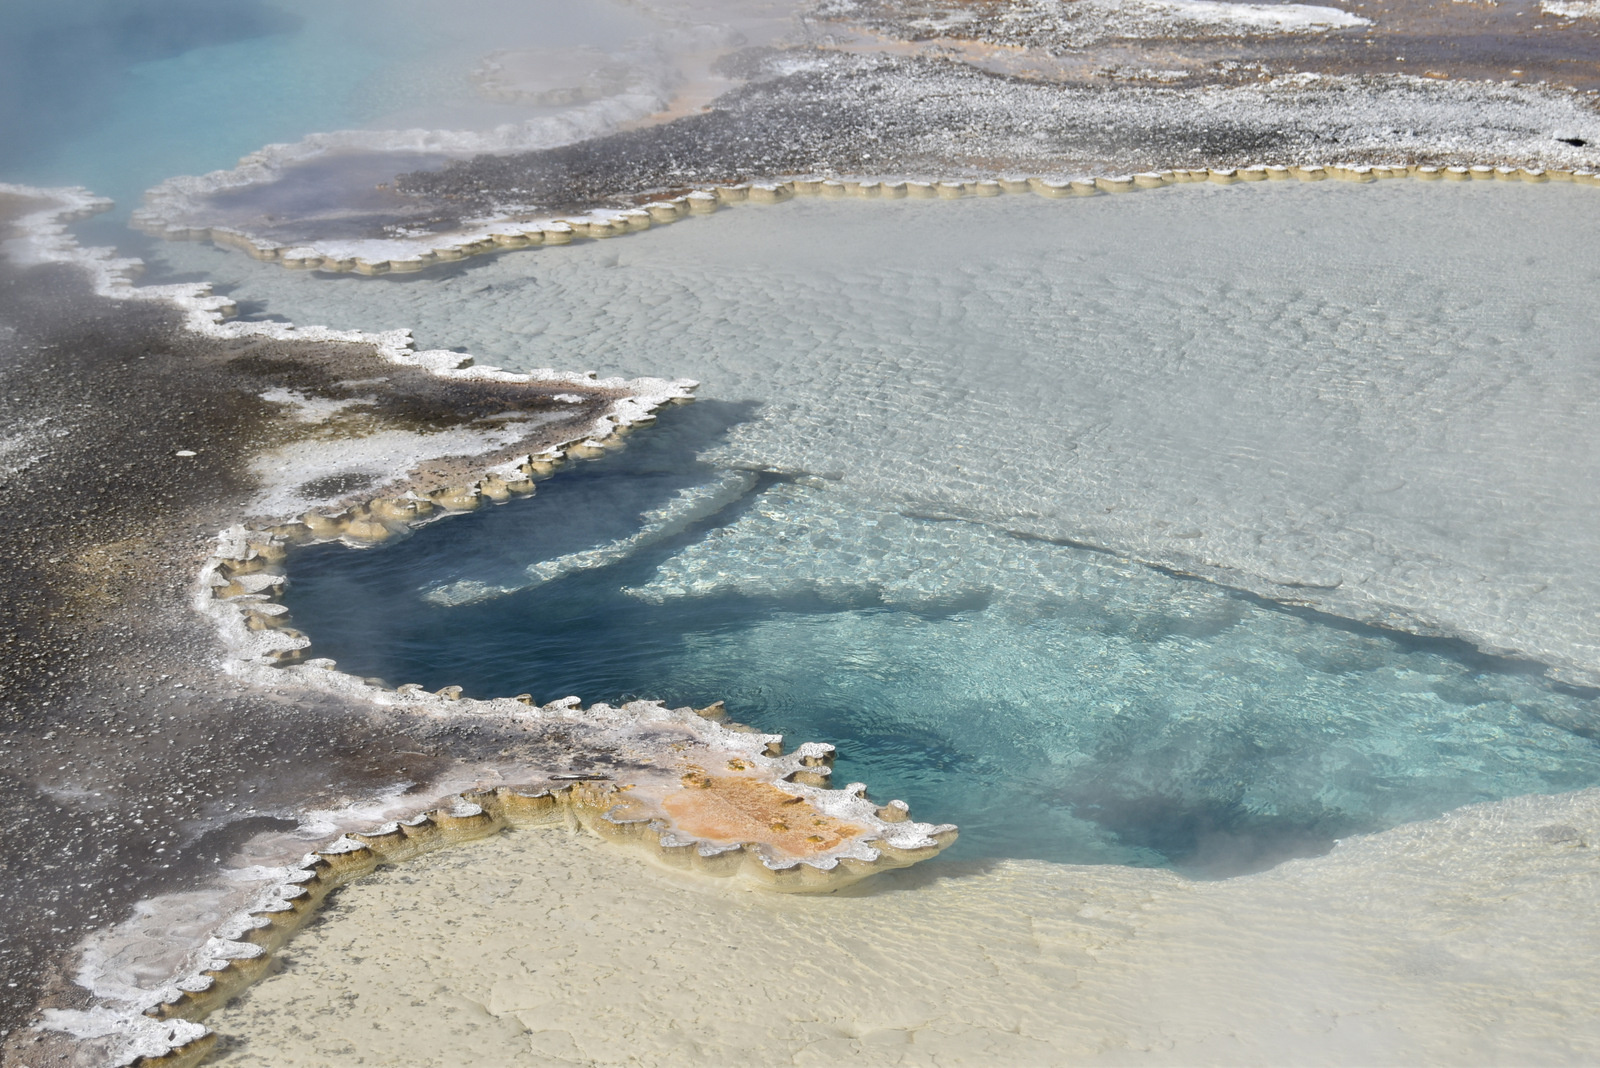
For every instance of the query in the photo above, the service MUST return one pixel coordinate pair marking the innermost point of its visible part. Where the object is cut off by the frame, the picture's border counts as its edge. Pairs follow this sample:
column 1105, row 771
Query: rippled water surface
column 1057, row 702
column 1332, row 394
column 871, row 530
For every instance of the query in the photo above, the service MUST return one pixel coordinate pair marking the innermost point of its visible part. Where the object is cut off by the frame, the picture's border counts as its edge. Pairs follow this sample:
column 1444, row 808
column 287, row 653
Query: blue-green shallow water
column 1055, row 702
column 118, row 95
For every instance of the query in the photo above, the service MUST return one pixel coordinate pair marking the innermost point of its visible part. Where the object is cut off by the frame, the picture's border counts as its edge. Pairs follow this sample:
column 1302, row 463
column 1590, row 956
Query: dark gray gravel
column 129, row 764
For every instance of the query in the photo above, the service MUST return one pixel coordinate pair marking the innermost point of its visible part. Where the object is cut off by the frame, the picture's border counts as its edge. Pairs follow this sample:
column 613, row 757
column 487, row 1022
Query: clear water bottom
column 1057, row 702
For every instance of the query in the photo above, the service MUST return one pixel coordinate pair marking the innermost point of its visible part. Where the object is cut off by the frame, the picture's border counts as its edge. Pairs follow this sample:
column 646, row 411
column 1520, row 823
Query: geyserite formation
column 678, row 785
column 661, row 209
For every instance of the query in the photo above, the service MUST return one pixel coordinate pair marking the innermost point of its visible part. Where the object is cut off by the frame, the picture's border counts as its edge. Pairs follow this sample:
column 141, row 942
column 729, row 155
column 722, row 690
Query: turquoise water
column 1056, row 702
column 119, row 96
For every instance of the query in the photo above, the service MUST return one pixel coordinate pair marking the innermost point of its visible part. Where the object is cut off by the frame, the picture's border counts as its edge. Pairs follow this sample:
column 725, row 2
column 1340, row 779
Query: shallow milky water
column 932, row 405
column 1324, row 393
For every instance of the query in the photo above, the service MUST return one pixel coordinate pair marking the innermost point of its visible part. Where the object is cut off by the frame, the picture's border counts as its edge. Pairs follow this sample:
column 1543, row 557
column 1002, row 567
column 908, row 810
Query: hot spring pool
column 953, row 463
column 1056, row 702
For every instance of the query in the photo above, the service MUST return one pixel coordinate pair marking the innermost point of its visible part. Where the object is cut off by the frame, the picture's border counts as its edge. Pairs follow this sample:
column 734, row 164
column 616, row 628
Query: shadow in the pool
column 1126, row 716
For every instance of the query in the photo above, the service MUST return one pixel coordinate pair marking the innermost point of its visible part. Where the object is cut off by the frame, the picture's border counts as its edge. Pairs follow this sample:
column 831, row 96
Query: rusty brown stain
column 738, row 808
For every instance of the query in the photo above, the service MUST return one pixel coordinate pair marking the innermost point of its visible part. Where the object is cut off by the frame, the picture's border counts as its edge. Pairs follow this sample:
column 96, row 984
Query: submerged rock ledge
column 703, row 202
column 659, row 209
column 1569, row 663
column 687, row 789
column 817, row 120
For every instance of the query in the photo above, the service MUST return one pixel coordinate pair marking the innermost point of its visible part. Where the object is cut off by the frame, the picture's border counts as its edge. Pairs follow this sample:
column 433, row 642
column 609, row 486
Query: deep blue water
column 1063, row 704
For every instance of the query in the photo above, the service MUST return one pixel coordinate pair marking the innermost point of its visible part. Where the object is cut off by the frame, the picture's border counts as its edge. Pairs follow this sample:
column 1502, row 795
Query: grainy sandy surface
column 1463, row 940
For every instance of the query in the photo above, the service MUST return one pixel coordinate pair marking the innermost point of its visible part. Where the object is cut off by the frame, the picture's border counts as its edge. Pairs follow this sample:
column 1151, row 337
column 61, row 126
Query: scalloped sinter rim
column 703, row 796
column 241, row 581
column 43, row 238
column 1429, row 944
column 678, row 815
column 605, row 223
column 615, row 812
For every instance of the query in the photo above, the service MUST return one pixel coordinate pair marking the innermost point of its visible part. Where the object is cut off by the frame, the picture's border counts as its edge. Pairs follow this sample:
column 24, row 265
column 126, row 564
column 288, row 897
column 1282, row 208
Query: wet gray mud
column 957, row 90
column 107, row 523
column 851, row 114
column 833, row 112
column 1441, row 39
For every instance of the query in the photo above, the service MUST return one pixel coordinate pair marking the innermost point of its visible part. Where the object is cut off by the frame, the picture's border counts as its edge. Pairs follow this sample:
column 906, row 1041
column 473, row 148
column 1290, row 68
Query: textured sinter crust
column 750, row 815
column 1426, row 944
column 372, row 438
column 1199, row 41
column 661, row 209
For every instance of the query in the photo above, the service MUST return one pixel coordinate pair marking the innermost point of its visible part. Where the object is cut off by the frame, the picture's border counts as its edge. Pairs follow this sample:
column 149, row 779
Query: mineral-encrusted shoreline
column 815, row 115
column 330, row 396
column 662, row 208
column 129, row 438
column 106, row 641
